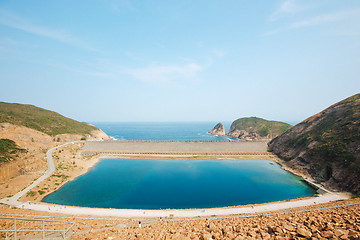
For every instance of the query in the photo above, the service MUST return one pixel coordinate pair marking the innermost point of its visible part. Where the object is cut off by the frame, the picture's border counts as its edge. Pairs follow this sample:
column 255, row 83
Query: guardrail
column 46, row 228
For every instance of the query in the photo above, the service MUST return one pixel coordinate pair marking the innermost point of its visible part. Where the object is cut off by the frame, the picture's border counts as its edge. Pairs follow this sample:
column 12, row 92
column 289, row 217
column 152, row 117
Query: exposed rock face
column 254, row 128
column 244, row 135
column 218, row 130
column 95, row 135
column 326, row 146
column 99, row 134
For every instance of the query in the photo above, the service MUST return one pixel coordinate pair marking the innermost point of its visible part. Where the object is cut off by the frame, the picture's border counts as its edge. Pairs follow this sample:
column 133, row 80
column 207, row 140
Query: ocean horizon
column 163, row 131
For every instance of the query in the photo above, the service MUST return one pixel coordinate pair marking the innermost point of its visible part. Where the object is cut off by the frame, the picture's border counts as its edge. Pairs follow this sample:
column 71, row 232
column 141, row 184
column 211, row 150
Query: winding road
column 13, row 201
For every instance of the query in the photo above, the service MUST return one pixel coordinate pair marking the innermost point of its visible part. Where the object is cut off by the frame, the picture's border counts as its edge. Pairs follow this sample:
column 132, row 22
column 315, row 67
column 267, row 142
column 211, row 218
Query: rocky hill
column 254, row 128
column 326, row 145
column 218, row 130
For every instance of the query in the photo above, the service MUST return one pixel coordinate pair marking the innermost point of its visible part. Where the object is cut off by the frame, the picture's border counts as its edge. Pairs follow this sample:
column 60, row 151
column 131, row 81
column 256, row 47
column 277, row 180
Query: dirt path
column 51, row 168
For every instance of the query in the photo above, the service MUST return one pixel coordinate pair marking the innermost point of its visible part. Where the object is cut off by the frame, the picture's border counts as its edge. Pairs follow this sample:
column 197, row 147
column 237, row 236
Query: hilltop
column 326, row 146
column 42, row 120
column 254, row 128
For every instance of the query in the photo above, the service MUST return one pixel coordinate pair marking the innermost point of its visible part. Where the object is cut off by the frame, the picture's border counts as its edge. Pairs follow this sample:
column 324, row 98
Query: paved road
column 51, row 168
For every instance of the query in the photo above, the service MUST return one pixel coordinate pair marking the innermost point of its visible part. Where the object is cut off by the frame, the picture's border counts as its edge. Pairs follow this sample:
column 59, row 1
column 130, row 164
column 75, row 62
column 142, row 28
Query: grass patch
column 261, row 126
column 30, row 193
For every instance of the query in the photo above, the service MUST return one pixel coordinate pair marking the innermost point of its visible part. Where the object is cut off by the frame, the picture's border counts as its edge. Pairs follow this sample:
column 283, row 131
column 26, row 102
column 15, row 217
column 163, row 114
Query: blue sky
column 165, row 60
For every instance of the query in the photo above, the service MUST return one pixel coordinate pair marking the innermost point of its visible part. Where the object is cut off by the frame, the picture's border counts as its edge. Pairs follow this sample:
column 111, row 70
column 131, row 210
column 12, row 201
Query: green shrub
column 8, row 149
column 41, row 192
column 30, row 193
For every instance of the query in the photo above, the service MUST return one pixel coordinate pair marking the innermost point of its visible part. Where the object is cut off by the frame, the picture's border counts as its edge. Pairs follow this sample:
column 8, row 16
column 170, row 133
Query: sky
column 188, row 60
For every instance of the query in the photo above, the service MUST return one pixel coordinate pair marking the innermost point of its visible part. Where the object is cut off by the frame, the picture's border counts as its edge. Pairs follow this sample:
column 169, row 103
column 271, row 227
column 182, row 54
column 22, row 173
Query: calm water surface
column 155, row 184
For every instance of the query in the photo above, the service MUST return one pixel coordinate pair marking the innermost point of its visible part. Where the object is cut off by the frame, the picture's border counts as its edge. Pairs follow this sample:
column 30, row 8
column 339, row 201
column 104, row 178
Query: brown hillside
column 326, row 145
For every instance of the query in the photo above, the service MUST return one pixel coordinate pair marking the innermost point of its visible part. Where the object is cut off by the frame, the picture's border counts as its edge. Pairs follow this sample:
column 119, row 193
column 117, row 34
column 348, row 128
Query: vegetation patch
column 8, row 150
column 30, row 193
column 260, row 126
column 41, row 192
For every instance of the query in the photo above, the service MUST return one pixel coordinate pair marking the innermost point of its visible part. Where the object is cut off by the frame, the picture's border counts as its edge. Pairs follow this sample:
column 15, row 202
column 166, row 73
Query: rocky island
column 218, row 130
column 256, row 129
column 326, row 146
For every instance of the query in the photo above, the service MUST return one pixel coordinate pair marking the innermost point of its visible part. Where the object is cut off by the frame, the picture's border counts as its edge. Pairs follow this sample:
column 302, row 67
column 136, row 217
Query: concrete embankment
column 176, row 147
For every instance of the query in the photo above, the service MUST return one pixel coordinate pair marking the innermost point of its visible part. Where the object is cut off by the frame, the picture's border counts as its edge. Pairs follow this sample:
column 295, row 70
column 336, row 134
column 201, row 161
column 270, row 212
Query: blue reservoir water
column 177, row 131
column 179, row 184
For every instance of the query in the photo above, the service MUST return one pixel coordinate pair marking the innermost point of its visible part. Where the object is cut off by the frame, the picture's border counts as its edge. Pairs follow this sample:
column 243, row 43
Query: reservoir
column 180, row 184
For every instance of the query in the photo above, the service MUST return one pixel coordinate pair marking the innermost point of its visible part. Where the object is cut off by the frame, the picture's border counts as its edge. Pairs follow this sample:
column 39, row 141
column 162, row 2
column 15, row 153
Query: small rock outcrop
column 218, row 130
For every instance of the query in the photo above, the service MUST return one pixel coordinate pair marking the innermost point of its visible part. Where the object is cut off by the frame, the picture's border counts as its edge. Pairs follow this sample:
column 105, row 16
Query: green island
column 255, row 125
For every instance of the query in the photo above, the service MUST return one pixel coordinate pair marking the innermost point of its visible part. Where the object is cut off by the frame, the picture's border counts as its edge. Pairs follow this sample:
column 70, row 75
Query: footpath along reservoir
column 180, row 184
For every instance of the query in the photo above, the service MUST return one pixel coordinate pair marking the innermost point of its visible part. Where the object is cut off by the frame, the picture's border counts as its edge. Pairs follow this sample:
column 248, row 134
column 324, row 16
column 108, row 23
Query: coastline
column 88, row 163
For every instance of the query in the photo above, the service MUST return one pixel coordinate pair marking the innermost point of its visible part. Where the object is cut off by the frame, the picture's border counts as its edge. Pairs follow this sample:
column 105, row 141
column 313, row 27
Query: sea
column 162, row 131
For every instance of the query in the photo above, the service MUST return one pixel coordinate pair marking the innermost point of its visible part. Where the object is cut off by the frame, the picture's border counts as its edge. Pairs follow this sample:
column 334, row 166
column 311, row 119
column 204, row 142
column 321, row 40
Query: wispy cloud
column 154, row 74
column 165, row 74
column 287, row 7
column 345, row 15
column 326, row 18
column 17, row 22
